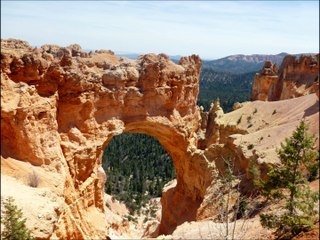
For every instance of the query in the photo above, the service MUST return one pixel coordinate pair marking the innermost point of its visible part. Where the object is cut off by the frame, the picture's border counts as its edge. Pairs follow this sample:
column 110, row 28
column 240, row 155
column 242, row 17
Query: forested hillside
column 137, row 167
column 230, row 88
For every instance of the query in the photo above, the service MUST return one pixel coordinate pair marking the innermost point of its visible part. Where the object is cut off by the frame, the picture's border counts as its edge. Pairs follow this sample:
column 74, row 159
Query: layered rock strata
column 297, row 76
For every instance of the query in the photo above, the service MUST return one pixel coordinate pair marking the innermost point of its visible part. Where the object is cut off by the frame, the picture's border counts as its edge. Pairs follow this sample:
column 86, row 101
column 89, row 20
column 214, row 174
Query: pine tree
column 289, row 182
column 13, row 222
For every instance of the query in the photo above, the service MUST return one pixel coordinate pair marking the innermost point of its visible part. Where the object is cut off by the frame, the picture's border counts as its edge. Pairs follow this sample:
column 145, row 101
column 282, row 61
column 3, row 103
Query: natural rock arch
column 62, row 106
column 158, row 116
column 181, row 201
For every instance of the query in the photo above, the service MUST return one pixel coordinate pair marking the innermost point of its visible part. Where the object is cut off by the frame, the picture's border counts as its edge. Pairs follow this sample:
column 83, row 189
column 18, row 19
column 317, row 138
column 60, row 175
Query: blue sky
column 212, row 29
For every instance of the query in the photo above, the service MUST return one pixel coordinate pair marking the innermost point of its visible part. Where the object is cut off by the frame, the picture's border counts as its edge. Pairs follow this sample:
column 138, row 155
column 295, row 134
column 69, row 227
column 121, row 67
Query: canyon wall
column 297, row 76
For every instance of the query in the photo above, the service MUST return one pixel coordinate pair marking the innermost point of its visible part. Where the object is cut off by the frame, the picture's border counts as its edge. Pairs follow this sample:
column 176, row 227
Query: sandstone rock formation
column 266, row 83
column 60, row 107
column 296, row 77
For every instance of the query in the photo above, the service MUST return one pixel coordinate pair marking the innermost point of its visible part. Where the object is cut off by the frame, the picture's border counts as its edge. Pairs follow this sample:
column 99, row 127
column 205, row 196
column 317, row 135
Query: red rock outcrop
column 60, row 107
column 296, row 77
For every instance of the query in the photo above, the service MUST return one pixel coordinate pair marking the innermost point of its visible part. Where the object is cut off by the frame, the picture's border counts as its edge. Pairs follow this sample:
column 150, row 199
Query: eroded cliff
column 297, row 76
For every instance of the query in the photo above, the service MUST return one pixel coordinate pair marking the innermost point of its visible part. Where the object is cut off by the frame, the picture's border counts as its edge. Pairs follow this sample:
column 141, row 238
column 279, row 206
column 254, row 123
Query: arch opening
column 137, row 168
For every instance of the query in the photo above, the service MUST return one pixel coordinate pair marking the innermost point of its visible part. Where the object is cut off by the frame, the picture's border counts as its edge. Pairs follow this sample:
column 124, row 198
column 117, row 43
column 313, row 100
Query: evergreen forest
column 137, row 167
column 229, row 87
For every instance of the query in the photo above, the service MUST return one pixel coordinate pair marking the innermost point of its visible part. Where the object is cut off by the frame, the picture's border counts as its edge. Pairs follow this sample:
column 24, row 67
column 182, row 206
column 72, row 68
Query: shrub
column 34, row 179
column 250, row 146
column 254, row 173
column 255, row 111
column 242, row 208
column 14, row 223
column 232, row 204
column 239, row 120
column 153, row 212
column 274, row 112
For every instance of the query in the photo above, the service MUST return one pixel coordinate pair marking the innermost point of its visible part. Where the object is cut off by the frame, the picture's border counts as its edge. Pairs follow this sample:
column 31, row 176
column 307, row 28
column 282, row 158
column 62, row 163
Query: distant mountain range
column 236, row 64
column 242, row 63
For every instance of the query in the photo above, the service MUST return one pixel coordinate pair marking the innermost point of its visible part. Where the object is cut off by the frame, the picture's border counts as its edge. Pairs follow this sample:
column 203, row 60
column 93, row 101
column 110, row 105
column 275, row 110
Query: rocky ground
column 39, row 204
column 123, row 225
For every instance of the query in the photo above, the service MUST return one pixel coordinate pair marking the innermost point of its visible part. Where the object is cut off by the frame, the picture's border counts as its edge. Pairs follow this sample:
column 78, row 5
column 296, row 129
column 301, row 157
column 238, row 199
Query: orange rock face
column 60, row 107
column 296, row 77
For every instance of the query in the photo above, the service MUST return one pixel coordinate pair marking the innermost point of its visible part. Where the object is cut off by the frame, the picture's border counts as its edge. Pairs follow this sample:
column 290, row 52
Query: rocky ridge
column 60, row 107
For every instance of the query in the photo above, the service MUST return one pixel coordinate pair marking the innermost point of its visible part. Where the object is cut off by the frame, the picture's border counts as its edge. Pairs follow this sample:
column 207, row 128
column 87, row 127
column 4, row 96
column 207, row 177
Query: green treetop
column 299, row 162
column 13, row 222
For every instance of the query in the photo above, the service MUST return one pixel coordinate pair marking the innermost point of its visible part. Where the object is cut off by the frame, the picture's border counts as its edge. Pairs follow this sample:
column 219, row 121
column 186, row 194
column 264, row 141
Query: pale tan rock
column 151, row 229
column 236, row 106
column 39, row 203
